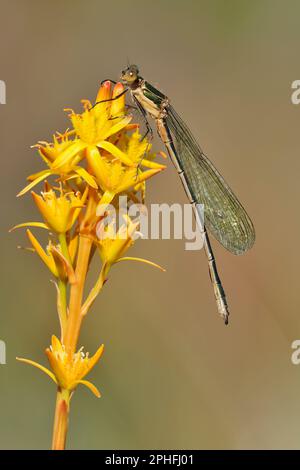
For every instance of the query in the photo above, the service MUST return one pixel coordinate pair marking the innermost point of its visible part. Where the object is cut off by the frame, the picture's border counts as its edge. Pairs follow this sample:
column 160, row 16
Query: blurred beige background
column 172, row 375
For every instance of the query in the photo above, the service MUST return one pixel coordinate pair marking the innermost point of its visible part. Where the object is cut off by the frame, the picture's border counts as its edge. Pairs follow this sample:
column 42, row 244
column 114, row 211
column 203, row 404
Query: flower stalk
column 75, row 316
column 70, row 338
column 61, row 420
column 101, row 157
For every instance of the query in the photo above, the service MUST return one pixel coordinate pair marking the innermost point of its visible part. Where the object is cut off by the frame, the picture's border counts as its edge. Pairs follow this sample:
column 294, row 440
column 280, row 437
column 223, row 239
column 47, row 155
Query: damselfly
column 224, row 216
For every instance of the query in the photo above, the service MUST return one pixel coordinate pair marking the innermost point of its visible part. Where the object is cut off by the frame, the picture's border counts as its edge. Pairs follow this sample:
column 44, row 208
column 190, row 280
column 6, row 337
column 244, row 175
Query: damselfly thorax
column 143, row 94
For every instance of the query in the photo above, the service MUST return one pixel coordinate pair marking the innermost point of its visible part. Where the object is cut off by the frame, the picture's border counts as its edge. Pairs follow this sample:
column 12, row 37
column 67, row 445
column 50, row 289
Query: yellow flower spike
column 101, row 156
column 70, row 369
column 93, row 127
column 59, row 212
column 46, row 258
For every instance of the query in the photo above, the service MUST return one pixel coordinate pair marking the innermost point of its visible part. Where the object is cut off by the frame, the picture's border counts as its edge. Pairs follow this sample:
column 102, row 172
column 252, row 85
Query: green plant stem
column 64, row 246
column 63, row 316
column 63, row 285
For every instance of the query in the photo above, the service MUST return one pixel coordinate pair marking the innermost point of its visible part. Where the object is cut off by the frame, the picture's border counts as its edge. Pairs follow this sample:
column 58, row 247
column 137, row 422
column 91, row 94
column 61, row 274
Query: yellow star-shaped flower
column 68, row 370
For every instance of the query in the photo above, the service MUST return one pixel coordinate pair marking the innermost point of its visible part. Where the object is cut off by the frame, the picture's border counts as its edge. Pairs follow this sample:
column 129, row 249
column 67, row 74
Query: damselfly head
column 130, row 74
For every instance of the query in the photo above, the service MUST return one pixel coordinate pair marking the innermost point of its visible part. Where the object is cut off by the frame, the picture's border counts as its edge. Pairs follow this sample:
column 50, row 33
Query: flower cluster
column 101, row 156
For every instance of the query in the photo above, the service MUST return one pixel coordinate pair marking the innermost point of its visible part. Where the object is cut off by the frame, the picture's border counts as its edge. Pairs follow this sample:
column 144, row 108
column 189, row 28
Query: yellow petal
column 118, row 105
column 105, row 200
column 48, row 260
column 38, row 366
column 42, row 176
column 95, row 358
column 68, row 154
column 117, row 127
column 116, row 152
column 97, row 164
column 136, row 180
column 36, row 175
column 142, row 260
column 60, row 258
column 104, row 92
column 92, row 387
column 56, row 344
column 86, row 176
column 30, row 224
column 147, row 174
column 149, row 164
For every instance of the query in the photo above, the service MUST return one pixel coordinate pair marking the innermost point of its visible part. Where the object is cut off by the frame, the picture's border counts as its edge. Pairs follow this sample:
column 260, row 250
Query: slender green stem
column 64, row 246
column 62, row 311
column 63, row 286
